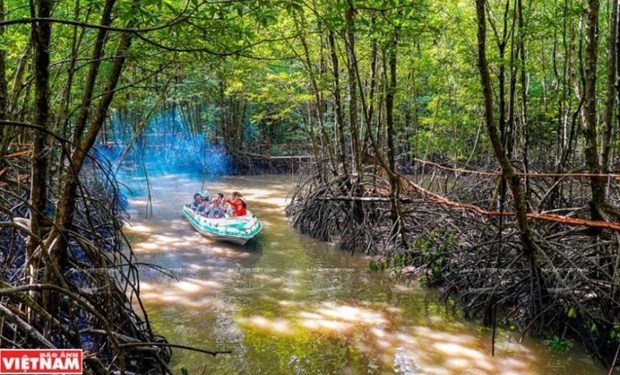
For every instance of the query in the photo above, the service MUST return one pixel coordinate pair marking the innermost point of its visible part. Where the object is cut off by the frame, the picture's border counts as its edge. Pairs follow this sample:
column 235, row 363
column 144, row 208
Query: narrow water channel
column 286, row 304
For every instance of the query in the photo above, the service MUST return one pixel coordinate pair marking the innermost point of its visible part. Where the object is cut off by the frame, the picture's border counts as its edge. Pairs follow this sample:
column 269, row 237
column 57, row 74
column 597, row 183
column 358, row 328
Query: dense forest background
column 473, row 144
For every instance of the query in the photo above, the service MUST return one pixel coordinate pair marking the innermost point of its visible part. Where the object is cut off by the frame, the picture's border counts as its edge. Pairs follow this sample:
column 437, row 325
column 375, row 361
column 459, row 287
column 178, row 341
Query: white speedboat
column 239, row 229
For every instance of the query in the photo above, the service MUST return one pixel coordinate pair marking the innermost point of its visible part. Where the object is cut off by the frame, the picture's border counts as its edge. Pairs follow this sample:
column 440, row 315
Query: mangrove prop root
column 94, row 299
column 457, row 235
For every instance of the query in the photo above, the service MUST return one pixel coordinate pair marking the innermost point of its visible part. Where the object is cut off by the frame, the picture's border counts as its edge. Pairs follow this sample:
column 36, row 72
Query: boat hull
column 238, row 230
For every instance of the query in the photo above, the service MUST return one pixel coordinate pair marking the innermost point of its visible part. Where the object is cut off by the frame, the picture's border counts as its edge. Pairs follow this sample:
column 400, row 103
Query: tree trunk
column 76, row 41
column 524, row 106
column 508, row 169
column 351, row 66
column 18, row 84
column 319, row 100
column 4, row 143
column 610, row 102
column 617, row 81
column 370, row 105
column 338, row 113
column 391, row 149
column 67, row 204
column 41, row 34
column 501, row 46
column 588, row 111
column 93, row 72
column 64, row 114
column 509, row 173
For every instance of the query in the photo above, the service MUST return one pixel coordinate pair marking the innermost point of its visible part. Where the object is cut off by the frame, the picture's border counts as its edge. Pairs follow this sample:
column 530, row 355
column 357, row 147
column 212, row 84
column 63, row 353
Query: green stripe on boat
column 238, row 230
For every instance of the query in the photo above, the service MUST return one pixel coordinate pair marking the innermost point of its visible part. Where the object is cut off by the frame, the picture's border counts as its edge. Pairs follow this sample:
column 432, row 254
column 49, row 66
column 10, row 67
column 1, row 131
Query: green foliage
column 431, row 251
column 614, row 335
column 394, row 264
column 435, row 250
column 378, row 265
column 251, row 51
column 559, row 344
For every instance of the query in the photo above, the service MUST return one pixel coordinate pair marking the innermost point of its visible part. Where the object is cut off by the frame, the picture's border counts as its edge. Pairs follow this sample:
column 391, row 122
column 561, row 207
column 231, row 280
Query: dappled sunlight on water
column 370, row 330
column 276, row 325
column 285, row 304
column 185, row 292
column 351, row 313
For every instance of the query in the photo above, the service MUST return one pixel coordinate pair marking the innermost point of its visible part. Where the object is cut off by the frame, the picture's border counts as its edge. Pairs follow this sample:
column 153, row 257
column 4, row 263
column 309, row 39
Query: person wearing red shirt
column 238, row 205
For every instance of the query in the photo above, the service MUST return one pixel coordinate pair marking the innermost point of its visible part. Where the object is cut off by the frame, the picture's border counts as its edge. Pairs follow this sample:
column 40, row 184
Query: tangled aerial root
column 569, row 287
column 94, row 302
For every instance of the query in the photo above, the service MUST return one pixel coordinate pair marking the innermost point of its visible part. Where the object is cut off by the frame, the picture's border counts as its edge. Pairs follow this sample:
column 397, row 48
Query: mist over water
column 166, row 145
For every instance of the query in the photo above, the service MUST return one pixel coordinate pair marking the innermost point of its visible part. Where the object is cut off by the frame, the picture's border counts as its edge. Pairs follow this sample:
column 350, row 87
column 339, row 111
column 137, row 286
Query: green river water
column 286, row 304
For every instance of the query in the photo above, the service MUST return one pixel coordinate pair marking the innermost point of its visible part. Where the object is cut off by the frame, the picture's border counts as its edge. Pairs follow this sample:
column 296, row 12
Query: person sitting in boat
column 239, row 207
column 204, row 206
column 216, row 208
column 196, row 203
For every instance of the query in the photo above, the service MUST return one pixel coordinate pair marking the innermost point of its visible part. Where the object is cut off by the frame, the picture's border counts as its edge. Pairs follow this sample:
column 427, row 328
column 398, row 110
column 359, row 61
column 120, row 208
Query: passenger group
column 219, row 207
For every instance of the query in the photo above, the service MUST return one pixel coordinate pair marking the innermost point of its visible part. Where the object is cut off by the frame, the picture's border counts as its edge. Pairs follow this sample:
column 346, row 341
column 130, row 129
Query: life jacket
column 243, row 208
column 238, row 207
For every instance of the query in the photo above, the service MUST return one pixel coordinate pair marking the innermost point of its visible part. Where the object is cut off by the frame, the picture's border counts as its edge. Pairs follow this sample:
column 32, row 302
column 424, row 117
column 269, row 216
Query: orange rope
column 457, row 169
column 614, row 175
column 18, row 153
column 435, row 198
